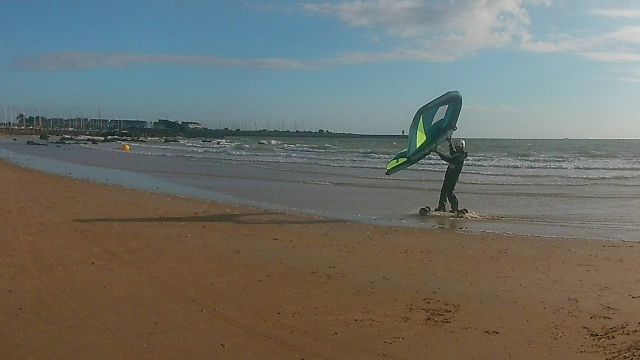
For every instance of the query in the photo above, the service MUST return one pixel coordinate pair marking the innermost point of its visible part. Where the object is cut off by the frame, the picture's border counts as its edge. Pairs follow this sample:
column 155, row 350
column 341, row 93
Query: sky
column 525, row 68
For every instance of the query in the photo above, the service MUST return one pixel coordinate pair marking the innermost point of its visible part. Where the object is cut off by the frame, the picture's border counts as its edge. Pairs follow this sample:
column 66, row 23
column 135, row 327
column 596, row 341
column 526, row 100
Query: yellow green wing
column 431, row 125
column 398, row 163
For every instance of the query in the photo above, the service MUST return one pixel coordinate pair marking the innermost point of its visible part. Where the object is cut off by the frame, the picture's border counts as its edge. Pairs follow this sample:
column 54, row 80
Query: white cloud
column 613, row 56
column 616, row 46
column 437, row 30
column 424, row 30
column 403, row 18
column 443, row 30
column 78, row 60
column 620, row 45
column 563, row 43
column 629, row 34
column 617, row 13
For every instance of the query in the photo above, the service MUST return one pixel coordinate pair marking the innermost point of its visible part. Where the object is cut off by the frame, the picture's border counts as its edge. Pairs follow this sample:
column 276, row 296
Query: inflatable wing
column 431, row 125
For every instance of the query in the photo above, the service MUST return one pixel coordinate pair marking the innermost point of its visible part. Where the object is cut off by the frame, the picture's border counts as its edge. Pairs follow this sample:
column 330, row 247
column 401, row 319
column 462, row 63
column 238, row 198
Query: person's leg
column 443, row 197
column 453, row 200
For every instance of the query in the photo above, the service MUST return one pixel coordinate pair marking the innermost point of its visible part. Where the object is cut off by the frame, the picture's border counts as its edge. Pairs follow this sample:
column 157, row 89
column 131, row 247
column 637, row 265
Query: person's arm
column 444, row 157
column 455, row 159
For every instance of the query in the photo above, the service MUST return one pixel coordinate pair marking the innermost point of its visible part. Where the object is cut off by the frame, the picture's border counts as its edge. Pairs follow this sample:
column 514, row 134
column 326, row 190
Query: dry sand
column 92, row 271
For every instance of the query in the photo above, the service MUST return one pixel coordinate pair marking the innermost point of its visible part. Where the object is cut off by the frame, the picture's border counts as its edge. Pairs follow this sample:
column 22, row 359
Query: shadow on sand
column 261, row 218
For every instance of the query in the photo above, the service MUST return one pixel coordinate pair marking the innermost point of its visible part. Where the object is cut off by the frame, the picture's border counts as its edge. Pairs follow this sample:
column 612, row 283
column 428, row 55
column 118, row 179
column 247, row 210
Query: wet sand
column 92, row 271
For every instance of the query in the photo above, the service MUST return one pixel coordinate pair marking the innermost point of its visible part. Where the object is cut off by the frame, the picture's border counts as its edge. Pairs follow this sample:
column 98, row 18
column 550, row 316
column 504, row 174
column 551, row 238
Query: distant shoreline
column 222, row 133
column 205, row 133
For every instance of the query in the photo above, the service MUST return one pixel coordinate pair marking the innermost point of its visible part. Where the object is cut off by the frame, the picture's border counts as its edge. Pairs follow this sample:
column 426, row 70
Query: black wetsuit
column 456, row 161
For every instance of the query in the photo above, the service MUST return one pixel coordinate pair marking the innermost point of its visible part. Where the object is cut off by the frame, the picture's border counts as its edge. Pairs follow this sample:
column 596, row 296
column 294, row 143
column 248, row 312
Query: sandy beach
column 93, row 271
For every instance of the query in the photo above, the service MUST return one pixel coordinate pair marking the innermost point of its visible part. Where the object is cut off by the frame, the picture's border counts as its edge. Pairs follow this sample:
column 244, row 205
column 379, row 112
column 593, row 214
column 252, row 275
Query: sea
column 564, row 188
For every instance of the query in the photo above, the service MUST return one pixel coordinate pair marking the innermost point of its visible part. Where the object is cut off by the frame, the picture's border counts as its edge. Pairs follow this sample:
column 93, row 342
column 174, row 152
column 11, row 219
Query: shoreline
column 100, row 270
column 203, row 133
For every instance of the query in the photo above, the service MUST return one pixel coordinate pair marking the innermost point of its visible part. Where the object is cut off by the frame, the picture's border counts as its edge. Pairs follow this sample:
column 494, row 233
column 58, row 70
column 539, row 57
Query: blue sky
column 525, row 68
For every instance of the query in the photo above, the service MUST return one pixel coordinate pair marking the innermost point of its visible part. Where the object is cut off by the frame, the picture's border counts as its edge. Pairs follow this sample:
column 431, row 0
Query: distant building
column 163, row 124
column 192, row 125
column 127, row 124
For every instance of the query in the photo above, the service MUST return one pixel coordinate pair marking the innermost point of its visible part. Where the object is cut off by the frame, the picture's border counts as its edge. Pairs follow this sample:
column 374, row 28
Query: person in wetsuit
column 455, row 159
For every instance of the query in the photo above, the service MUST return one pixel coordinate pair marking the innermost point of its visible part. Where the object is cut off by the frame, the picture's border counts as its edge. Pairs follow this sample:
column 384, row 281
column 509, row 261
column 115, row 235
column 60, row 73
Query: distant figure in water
column 455, row 159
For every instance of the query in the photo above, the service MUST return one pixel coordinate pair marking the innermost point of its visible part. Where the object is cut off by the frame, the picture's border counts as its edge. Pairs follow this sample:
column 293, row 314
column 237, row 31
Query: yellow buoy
column 125, row 147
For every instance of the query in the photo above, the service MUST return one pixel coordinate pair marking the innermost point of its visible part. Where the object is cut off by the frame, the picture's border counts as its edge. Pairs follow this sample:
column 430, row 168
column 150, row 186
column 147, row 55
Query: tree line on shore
column 188, row 133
